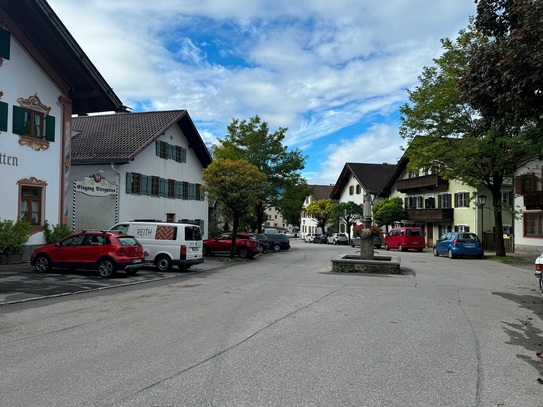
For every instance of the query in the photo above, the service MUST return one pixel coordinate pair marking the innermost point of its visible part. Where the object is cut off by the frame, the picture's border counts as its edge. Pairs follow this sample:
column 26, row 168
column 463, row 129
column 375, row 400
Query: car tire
column 243, row 253
column 163, row 263
column 387, row 247
column 400, row 248
column 434, row 251
column 43, row 263
column 106, row 268
column 335, row 242
column 206, row 251
column 450, row 254
column 276, row 248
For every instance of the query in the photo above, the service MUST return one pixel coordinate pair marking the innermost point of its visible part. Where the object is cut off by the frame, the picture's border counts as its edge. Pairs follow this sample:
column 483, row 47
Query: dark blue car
column 459, row 244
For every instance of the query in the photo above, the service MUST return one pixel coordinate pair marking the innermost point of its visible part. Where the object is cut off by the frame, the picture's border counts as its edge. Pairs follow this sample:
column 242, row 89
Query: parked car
column 105, row 252
column 459, row 244
column 247, row 245
column 263, row 241
column 377, row 241
column 405, row 238
column 309, row 237
column 337, row 238
column 321, row 238
column 278, row 242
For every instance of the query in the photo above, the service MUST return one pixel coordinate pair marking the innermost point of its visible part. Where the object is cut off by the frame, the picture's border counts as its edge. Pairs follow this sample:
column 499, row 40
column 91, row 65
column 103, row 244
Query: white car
column 309, row 237
column 338, row 238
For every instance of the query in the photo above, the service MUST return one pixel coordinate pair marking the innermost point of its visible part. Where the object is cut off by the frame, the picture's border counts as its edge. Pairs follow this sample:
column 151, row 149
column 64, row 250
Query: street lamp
column 481, row 199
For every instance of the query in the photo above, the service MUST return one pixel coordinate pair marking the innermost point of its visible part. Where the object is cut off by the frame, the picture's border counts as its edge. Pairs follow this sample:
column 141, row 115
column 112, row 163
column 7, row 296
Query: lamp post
column 481, row 199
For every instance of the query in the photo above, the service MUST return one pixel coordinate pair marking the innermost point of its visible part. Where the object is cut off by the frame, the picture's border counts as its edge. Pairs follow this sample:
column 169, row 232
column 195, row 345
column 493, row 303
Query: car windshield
column 127, row 241
column 411, row 232
column 467, row 237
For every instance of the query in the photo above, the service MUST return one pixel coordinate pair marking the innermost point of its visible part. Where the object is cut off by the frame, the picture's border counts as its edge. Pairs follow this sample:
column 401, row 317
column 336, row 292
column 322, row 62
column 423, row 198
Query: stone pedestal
column 366, row 248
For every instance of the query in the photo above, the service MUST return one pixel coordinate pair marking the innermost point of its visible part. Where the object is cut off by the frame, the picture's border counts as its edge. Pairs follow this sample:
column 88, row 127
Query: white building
column 137, row 166
column 528, row 227
column 45, row 77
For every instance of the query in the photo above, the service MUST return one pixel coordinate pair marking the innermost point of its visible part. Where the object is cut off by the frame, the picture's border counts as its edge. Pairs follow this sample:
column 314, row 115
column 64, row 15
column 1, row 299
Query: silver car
column 338, row 238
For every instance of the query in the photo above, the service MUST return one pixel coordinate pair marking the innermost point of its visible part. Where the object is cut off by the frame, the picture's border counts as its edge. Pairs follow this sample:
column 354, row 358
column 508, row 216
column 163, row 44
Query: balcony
column 533, row 200
column 425, row 182
column 431, row 215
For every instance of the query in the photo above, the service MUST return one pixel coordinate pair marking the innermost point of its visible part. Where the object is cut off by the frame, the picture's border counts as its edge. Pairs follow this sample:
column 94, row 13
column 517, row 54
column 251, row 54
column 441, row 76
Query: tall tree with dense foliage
column 347, row 213
column 387, row 212
column 291, row 202
column 321, row 210
column 235, row 185
column 451, row 131
column 251, row 140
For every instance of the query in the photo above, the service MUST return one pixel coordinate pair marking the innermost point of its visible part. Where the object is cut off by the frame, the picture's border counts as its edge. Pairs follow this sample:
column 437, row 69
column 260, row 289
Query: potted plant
column 13, row 238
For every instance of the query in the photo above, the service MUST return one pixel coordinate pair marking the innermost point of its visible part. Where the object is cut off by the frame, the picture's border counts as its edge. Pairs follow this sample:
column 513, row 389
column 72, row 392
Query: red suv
column 247, row 245
column 106, row 252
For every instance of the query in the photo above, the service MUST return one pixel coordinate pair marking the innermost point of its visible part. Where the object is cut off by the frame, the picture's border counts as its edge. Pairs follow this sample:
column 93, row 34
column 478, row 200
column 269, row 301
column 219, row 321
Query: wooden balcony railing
column 431, row 215
column 533, row 200
column 425, row 182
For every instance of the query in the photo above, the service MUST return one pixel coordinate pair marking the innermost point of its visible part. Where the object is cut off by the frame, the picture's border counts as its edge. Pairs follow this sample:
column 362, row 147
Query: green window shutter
column 157, row 147
column 178, row 189
column 3, row 116
column 183, row 155
column 128, row 182
column 146, row 182
column 192, row 191
column 163, row 187
column 49, row 128
column 18, row 120
column 5, row 40
column 171, row 151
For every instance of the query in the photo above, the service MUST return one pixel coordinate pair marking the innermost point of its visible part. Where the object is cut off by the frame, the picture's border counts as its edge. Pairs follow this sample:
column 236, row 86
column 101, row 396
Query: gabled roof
column 119, row 138
column 321, row 191
column 37, row 27
column 372, row 177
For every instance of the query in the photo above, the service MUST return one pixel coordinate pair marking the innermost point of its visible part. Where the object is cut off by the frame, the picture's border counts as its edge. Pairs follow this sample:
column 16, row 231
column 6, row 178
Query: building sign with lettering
column 96, row 185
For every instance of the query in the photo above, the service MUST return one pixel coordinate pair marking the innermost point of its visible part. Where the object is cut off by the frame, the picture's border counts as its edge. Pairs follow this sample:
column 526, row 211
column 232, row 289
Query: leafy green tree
column 348, row 213
column 321, row 210
column 291, row 202
column 235, row 185
column 452, row 134
column 388, row 211
column 252, row 141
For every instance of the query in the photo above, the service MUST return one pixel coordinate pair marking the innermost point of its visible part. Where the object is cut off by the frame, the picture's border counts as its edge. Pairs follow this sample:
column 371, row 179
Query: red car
column 247, row 245
column 106, row 252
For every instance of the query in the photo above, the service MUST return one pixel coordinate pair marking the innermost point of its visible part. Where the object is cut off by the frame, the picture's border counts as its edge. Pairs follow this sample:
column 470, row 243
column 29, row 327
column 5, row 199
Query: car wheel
column 207, row 252
column 335, row 242
column 243, row 253
column 400, row 248
column 276, row 248
column 132, row 272
column 450, row 254
column 106, row 268
column 387, row 247
column 435, row 252
column 43, row 264
column 163, row 263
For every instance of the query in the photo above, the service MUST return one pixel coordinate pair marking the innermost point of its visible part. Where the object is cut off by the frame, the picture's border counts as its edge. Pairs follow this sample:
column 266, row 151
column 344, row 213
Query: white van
column 167, row 244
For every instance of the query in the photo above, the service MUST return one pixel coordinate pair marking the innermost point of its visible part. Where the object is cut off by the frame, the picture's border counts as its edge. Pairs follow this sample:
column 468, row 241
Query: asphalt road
column 283, row 330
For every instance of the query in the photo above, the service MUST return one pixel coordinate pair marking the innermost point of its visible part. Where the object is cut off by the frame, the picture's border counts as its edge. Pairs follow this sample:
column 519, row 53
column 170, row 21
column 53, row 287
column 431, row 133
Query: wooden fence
column 490, row 245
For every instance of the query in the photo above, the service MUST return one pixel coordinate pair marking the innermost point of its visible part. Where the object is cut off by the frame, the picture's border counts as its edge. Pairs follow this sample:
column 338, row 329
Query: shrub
column 56, row 233
column 13, row 236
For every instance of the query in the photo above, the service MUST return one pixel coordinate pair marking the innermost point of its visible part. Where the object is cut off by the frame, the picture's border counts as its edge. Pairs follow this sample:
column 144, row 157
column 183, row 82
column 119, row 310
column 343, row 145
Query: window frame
column 29, row 212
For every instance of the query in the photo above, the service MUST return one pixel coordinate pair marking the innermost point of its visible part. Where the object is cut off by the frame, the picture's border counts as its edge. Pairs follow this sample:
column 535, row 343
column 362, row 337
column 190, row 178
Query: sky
column 335, row 73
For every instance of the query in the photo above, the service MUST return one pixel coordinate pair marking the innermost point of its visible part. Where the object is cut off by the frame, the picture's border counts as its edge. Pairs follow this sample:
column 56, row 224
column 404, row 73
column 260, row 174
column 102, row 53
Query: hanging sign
column 96, row 185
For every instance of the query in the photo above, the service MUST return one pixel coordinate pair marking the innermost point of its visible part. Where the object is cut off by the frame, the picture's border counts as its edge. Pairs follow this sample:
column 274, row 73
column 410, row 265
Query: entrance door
column 430, row 233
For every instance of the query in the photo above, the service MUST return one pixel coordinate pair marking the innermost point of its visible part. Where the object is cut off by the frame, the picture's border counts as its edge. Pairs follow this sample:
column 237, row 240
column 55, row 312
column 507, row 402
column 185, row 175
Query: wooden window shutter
column 5, row 43
column 456, row 200
column 157, row 147
column 466, row 228
column 128, row 182
column 49, row 128
column 146, row 182
column 456, row 227
column 3, row 116
column 163, row 187
column 18, row 120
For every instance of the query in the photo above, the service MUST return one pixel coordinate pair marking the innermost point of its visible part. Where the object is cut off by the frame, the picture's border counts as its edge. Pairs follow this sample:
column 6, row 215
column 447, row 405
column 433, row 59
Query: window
column 351, row 190
column 33, row 124
column 31, row 205
column 507, row 197
column 444, row 201
column 419, row 202
column 5, row 42
column 358, row 190
column 155, row 186
column 533, row 224
column 171, row 188
column 461, row 228
column 461, row 200
column 430, row 202
column 162, row 149
column 136, row 183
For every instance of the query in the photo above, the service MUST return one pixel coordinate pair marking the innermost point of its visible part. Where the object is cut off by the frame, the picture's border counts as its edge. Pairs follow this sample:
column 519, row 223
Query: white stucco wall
column 524, row 243
column 21, row 77
column 98, row 212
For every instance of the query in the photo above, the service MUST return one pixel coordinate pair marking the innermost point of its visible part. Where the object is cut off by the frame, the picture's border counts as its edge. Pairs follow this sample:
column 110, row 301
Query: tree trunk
column 498, row 220
column 234, row 235
column 259, row 209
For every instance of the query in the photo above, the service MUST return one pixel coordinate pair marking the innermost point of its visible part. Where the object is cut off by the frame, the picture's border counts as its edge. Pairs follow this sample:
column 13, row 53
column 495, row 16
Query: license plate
column 137, row 261
column 469, row 246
